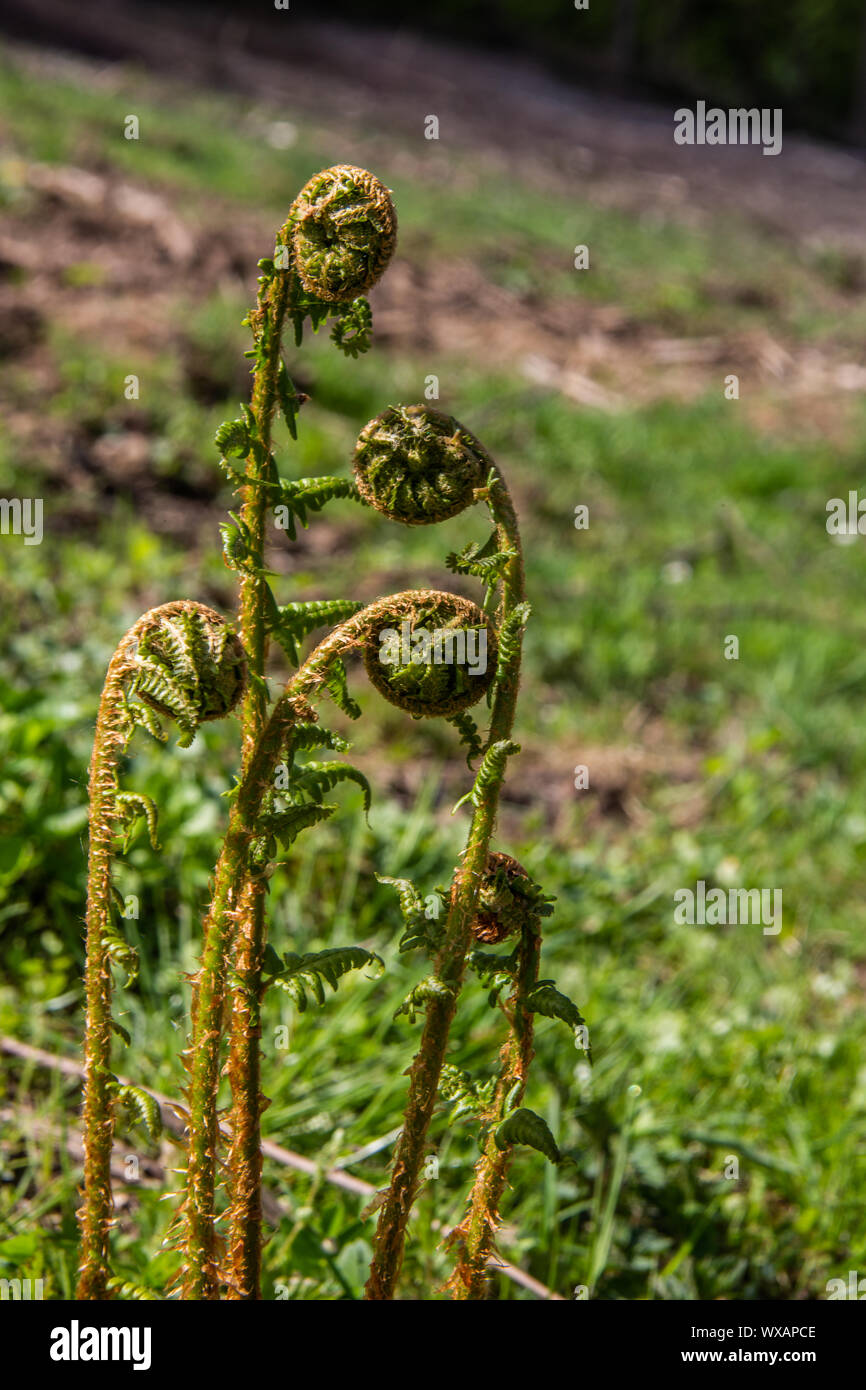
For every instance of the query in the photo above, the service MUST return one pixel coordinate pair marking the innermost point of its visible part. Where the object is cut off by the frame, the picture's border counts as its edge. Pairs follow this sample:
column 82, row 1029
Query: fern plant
column 432, row 654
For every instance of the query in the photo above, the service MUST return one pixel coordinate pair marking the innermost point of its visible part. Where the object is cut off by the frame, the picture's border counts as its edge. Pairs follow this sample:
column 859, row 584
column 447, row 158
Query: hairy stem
column 426, row 1068
column 476, row 1233
column 98, row 1204
column 245, row 1216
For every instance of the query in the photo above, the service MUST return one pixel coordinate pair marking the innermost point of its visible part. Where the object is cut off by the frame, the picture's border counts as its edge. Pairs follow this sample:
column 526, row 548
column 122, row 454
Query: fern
column 490, row 772
column 287, row 825
column 300, row 974
column 496, row 972
column 132, row 806
column 525, row 1127
column 315, row 779
column 142, row 1109
column 352, row 331
column 544, row 998
column 469, row 735
column 420, row 930
column 303, row 495
column 292, row 622
column 428, row 989
column 337, row 685
column 463, row 1094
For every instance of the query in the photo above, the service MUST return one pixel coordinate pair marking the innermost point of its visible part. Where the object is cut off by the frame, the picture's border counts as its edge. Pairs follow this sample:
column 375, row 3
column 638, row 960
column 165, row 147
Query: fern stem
column 477, row 1232
column 98, row 1207
column 427, row 1065
column 245, row 1217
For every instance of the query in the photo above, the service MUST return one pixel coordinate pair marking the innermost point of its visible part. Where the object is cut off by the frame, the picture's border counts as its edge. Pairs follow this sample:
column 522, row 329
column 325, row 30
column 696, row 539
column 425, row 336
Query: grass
column 713, row 1047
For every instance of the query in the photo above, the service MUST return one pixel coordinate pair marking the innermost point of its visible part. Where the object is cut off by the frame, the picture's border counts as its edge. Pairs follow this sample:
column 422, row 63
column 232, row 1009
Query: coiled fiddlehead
column 183, row 662
column 438, row 662
column 343, row 233
column 418, row 466
column 502, row 899
column 335, row 244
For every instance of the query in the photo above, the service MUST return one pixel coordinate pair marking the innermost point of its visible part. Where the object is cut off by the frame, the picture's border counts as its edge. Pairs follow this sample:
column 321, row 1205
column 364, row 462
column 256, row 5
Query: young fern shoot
column 418, row 466
column 180, row 661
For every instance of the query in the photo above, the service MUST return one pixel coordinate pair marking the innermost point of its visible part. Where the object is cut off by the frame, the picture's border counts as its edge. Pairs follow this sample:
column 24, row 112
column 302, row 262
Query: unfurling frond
column 490, row 772
column 316, row 779
column 142, row 1109
column 301, row 973
column 427, row 990
column 420, row 929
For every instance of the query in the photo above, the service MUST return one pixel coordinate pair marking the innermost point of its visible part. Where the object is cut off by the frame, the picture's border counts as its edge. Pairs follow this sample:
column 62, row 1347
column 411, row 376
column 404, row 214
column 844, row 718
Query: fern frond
column 490, row 771
column 306, row 735
column 292, row 622
column 469, row 735
column 337, row 685
column 430, row 988
column 310, row 972
column 523, row 1126
column 142, row 1109
column 316, row 779
column 352, row 332
column 302, row 495
column 287, row 825
column 132, row 806
column 420, row 930
column 544, row 998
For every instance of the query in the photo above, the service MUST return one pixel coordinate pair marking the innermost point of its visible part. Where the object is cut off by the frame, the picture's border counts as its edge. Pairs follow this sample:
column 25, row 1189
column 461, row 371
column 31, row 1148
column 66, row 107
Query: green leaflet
column 134, row 1293
column 289, row 398
column 307, row 735
column 510, row 636
column 544, row 998
column 490, row 771
column 141, row 1108
column 465, row 1096
column 121, row 1032
column 427, row 990
column 337, row 685
column 495, row 972
column 315, row 779
column 352, row 331
column 292, row 622
column 302, row 495
column 485, row 561
column 232, row 438
column 286, row 826
column 299, row 973
column 525, row 1127
column 469, row 735
column 420, row 930
column 131, row 807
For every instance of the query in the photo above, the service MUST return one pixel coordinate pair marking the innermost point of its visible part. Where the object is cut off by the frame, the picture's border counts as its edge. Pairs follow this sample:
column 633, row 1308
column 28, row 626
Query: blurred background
column 716, row 1145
